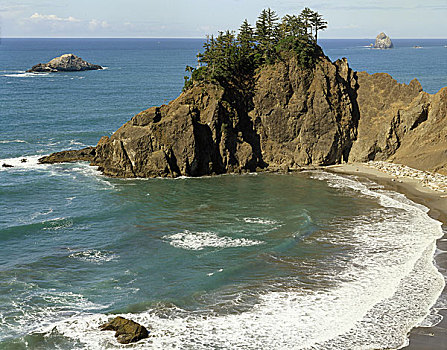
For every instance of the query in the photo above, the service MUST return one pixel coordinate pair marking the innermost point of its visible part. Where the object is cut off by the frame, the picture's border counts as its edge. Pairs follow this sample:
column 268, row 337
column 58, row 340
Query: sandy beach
column 429, row 190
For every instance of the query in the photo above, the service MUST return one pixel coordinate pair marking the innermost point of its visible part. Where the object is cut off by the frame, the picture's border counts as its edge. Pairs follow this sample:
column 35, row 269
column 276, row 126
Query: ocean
column 258, row 261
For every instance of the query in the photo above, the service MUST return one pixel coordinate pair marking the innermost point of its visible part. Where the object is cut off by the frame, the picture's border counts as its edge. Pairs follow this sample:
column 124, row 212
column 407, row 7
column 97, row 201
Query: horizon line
column 197, row 38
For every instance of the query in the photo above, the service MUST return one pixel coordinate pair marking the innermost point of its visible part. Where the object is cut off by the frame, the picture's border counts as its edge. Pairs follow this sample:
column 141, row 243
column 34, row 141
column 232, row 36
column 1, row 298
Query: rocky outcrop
column 383, row 41
column 64, row 63
column 212, row 130
column 380, row 98
column 286, row 105
column 126, row 331
column 85, row 154
column 290, row 118
column 401, row 123
column 204, row 131
column 424, row 144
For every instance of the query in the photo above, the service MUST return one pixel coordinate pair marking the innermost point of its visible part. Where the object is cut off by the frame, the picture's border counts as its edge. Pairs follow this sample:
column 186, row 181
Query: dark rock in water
column 383, row 41
column 64, row 63
column 23, row 160
column 126, row 331
column 85, row 154
column 4, row 165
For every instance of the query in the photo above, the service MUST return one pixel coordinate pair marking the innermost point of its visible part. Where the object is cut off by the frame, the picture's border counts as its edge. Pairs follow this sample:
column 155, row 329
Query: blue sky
column 196, row 18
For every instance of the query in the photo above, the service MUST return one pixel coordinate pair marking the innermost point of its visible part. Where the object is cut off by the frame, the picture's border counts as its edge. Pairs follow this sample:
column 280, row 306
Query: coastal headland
column 291, row 117
column 285, row 110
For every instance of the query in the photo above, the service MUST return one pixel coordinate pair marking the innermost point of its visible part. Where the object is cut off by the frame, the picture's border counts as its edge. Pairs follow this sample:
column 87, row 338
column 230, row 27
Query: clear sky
column 196, row 18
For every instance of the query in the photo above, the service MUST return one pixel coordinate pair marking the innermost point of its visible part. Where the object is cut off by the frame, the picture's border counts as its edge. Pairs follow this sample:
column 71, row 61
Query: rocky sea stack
column 291, row 118
column 257, row 103
column 64, row 63
column 383, row 41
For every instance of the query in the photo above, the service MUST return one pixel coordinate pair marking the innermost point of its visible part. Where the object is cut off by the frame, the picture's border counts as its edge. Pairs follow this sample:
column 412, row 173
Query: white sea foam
column 57, row 224
column 260, row 221
column 72, row 170
column 27, row 314
column 77, row 143
column 23, row 74
column 32, row 162
column 91, row 172
column 199, row 240
column 387, row 286
column 94, row 256
column 41, row 213
column 13, row 141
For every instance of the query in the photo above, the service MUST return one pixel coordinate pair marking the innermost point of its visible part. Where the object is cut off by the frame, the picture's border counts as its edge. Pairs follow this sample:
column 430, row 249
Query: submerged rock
column 64, row 63
column 383, row 41
column 126, row 331
column 4, row 165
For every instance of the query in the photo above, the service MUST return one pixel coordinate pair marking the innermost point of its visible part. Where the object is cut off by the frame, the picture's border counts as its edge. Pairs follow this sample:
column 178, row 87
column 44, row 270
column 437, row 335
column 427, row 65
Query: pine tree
column 246, row 37
column 291, row 26
column 232, row 59
column 305, row 17
column 267, row 34
column 318, row 23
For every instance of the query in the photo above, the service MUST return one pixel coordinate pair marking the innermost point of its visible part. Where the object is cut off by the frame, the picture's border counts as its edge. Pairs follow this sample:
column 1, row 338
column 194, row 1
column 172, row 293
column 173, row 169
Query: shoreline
column 420, row 338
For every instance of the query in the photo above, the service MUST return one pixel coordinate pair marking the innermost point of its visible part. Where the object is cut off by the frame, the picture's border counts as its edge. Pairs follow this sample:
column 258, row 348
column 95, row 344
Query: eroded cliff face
column 400, row 123
column 204, row 131
column 306, row 117
column 291, row 117
column 424, row 144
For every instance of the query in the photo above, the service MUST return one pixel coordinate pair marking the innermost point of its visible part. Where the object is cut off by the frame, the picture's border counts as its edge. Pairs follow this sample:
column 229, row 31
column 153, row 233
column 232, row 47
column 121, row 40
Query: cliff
column 291, row 117
column 294, row 117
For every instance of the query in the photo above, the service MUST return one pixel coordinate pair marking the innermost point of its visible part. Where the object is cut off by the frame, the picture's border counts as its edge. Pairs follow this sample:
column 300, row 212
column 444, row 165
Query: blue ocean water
column 256, row 261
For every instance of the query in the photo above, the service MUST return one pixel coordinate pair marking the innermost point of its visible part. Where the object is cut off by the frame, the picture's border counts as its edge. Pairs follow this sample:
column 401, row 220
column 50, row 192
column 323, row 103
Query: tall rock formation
column 294, row 117
column 291, row 117
column 383, row 41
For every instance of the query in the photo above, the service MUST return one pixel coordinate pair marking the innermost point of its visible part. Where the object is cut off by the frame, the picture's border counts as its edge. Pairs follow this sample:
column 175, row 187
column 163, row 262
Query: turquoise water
column 310, row 260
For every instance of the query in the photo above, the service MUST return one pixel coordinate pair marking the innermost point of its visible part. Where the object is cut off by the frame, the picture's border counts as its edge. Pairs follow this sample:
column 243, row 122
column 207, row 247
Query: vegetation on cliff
column 232, row 59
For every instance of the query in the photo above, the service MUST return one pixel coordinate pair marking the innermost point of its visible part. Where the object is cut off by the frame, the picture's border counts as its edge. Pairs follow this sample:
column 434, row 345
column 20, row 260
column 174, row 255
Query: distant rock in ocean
column 383, row 41
column 64, row 63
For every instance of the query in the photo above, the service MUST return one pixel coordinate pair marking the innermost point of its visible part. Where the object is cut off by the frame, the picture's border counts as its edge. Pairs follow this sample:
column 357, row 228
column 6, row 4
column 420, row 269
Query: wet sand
column 421, row 338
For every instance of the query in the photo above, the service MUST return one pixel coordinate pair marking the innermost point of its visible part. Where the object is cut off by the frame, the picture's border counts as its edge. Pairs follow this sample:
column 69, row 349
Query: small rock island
column 383, row 41
column 64, row 63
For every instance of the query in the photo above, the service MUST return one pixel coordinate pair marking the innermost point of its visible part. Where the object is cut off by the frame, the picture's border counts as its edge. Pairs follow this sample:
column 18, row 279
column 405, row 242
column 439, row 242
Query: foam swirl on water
column 200, row 240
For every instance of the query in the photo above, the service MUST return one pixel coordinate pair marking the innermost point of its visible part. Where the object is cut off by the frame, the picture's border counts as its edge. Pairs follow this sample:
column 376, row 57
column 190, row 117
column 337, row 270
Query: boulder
column 126, row 331
column 64, row 63
column 383, row 41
